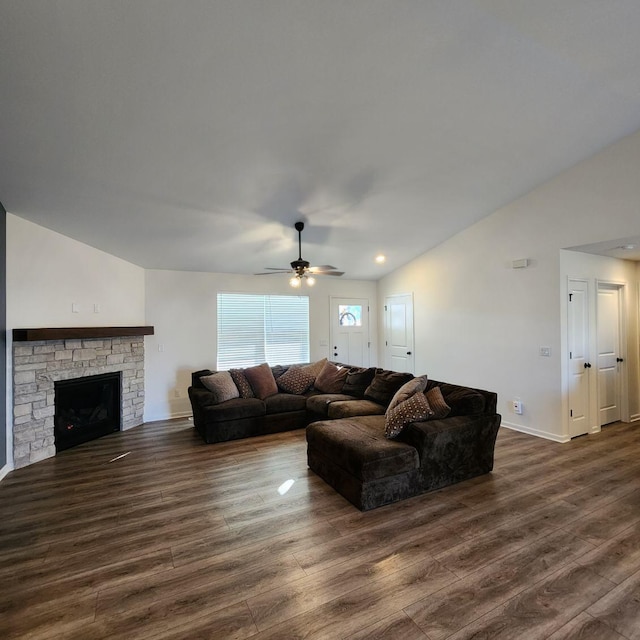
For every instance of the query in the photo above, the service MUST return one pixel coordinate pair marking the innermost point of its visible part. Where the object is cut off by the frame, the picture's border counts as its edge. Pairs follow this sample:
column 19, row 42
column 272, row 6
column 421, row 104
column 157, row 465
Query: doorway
column 350, row 331
column 609, row 354
column 398, row 324
column 596, row 343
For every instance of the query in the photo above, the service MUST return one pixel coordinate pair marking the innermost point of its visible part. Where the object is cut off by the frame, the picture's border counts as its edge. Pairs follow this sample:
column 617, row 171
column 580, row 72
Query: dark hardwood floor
column 176, row 539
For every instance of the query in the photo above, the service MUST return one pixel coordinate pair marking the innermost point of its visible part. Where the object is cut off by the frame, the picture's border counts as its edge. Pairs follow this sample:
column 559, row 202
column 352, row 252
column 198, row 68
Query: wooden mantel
column 71, row 333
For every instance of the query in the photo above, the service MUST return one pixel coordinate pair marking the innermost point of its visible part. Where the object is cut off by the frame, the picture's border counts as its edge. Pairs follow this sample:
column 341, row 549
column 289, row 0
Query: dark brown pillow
column 439, row 407
column 358, row 379
column 242, row 383
column 331, row 378
column 384, row 385
column 261, row 380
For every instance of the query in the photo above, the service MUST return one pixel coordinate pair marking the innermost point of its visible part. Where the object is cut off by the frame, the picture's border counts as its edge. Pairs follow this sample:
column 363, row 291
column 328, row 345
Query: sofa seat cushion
column 284, row 402
column 235, row 409
column 319, row 403
column 358, row 446
column 351, row 408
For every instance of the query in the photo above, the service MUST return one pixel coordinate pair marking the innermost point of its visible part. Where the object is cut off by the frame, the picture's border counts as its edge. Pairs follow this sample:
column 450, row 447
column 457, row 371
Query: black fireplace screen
column 86, row 408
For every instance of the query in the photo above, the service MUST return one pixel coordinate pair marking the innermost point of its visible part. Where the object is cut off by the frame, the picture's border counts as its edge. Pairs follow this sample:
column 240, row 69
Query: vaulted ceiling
column 193, row 134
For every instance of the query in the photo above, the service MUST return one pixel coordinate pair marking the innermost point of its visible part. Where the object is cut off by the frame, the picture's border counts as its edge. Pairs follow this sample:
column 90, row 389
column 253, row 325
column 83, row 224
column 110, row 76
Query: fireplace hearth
column 86, row 408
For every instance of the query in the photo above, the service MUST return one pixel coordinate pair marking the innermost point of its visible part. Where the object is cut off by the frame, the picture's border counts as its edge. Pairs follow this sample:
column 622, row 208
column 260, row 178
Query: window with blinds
column 262, row 328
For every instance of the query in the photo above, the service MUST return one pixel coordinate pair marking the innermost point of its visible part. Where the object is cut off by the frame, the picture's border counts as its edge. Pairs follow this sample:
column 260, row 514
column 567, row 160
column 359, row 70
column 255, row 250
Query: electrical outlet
column 517, row 406
column 178, row 393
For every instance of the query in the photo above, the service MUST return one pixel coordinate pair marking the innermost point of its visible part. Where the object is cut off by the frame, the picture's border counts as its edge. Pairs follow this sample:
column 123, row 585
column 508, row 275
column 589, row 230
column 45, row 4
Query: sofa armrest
column 452, row 447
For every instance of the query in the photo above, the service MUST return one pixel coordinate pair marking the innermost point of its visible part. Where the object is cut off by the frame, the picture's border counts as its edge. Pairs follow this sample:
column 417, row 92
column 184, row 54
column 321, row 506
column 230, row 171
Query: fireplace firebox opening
column 86, row 408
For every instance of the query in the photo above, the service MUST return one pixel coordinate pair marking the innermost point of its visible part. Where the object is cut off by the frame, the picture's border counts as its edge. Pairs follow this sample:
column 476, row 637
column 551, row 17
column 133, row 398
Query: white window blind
column 262, row 328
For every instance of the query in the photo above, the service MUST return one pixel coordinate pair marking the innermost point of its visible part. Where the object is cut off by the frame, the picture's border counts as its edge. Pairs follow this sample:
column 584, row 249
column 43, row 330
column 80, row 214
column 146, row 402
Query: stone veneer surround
column 37, row 365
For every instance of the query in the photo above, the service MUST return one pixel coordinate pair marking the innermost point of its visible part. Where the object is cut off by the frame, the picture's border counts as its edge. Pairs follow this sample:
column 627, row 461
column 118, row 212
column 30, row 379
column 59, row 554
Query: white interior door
column 579, row 365
column 350, row 331
column 609, row 359
column 399, row 333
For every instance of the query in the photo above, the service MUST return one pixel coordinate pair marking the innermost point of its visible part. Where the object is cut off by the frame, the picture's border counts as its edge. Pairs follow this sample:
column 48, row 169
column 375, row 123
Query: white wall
column 182, row 306
column 480, row 322
column 48, row 272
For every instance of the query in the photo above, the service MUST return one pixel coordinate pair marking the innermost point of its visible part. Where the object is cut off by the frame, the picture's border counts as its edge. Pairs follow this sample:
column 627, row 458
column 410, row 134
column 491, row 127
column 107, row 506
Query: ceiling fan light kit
column 300, row 268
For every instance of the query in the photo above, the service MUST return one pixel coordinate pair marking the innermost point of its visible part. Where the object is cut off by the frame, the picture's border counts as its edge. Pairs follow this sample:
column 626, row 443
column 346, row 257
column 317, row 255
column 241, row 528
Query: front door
column 399, row 333
column 609, row 358
column 579, row 365
column 350, row 331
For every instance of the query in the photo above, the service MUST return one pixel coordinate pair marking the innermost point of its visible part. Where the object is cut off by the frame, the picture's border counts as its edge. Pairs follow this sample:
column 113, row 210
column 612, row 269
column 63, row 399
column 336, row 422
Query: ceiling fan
column 300, row 268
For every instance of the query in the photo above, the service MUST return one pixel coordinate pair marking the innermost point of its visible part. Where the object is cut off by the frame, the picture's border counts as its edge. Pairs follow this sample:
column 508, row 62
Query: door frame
column 622, row 329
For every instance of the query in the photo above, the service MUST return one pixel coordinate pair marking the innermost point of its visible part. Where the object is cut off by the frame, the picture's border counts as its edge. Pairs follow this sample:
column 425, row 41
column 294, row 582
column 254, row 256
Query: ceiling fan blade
column 330, row 273
column 271, row 273
column 322, row 267
column 278, row 268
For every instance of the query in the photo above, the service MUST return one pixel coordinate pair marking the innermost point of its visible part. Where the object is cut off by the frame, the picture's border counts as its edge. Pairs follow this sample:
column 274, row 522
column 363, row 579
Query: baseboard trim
column 536, row 432
column 171, row 416
column 635, row 417
column 5, row 471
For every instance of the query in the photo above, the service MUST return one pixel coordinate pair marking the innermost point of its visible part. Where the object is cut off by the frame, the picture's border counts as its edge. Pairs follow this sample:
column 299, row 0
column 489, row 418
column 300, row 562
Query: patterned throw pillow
column 417, row 385
column 437, row 403
column 410, row 410
column 261, row 380
column 296, row 380
column 331, row 379
column 242, row 383
column 221, row 385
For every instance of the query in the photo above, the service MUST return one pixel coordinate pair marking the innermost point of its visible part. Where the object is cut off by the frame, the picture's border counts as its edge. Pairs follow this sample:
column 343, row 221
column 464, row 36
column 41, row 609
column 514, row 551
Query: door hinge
column 571, row 412
column 386, row 344
column 570, row 355
column 385, row 307
column 570, row 297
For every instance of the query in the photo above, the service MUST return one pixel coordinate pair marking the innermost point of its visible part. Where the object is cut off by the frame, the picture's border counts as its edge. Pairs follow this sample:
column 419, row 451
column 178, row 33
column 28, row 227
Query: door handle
column 408, row 353
column 587, row 365
column 619, row 359
column 335, row 353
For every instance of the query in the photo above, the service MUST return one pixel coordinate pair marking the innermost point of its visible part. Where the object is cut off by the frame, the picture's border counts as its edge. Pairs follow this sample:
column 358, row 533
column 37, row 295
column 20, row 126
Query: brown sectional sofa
column 347, row 446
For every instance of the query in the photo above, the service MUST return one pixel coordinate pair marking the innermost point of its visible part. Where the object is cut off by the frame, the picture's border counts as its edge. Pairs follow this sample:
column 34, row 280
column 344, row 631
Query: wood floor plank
column 537, row 612
column 182, row 540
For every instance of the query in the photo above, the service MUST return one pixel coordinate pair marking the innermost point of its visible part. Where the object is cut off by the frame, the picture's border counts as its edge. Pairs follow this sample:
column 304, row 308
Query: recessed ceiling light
column 380, row 259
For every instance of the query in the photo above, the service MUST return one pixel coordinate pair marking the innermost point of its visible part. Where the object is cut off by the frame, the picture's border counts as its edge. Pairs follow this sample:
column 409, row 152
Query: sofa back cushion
column 261, row 380
column 331, row 378
column 462, row 400
column 358, row 379
column 384, row 385
column 221, row 385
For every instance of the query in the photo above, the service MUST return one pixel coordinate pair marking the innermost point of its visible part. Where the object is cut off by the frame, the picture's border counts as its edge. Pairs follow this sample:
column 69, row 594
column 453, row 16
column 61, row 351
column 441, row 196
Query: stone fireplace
column 39, row 363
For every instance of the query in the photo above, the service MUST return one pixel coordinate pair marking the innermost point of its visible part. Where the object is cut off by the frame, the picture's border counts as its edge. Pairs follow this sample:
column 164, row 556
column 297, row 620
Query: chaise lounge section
column 360, row 462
